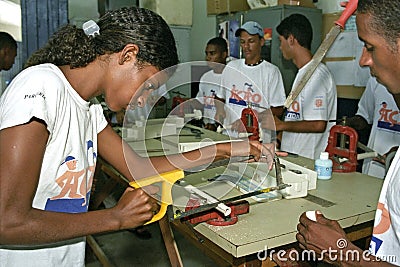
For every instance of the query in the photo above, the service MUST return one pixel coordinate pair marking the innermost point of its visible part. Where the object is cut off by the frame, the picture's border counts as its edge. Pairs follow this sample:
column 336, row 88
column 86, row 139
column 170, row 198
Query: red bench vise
column 249, row 120
column 342, row 144
column 215, row 217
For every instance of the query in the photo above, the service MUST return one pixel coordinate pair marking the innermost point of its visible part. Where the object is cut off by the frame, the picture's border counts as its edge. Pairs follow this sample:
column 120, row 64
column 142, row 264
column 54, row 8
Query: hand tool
column 207, row 207
column 345, row 157
column 167, row 180
column 224, row 209
column 249, row 119
column 322, row 50
column 215, row 217
column 178, row 106
column 367, row 149
column 338, row 152
column 203, row 208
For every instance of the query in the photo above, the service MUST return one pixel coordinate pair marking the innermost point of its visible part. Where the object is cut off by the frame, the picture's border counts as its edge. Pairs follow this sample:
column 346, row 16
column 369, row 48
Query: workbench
column 350, row 198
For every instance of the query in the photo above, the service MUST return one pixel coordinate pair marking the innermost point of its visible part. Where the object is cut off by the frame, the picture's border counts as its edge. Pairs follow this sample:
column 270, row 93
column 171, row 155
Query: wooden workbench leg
column 169, row 241
column 101, row 256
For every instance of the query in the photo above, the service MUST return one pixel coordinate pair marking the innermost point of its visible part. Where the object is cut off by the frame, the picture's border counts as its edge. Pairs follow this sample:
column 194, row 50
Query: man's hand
column 269, row 121
column 322, row 236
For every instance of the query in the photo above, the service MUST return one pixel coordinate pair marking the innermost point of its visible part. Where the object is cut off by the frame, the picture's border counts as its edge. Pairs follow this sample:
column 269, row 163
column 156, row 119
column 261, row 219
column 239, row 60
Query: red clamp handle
column 351, row 7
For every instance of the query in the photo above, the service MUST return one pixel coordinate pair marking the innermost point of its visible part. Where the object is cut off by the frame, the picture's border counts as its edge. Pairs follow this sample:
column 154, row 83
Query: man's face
column 285, row 48
column 7, row 58
column 251, row 46
column 214, row 54
column 383, row 63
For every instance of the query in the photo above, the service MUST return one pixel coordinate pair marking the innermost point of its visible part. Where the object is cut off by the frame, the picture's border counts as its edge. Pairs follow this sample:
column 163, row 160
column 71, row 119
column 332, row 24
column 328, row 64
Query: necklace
column 255, row 64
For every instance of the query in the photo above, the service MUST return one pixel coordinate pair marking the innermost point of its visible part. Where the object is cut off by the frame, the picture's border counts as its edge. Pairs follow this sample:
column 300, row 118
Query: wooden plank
column 101, row 256
column 169, row 241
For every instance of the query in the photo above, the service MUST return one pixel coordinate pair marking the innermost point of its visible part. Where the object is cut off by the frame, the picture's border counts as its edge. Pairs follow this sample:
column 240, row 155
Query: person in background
column 209, row 87
column 305, row 128
column 8, row 51
column 51, row 137
column 377, row 107
column 250, row 82
column 379, row 28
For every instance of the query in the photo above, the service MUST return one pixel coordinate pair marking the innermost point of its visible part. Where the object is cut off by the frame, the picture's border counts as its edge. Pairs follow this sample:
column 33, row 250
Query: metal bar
column 207, row 207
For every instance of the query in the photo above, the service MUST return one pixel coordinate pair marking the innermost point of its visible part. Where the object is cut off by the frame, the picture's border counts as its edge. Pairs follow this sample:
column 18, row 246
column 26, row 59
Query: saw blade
column 210, row 206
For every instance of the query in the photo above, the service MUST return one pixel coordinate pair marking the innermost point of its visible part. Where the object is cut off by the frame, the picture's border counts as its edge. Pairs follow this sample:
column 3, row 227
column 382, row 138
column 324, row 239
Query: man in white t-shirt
column 378, row 28
column 209, row 87
column 251, row 81
column 377, row 107
column 306, row 125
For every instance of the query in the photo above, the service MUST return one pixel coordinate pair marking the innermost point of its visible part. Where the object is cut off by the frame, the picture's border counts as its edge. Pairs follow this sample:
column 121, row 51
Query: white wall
column 203, row 29
column 10, row 18
column 80, row 11
column 329, row 6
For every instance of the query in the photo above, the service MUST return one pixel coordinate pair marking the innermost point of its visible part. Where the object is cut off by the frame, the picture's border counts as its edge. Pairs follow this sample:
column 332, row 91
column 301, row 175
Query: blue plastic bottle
column 323, row 166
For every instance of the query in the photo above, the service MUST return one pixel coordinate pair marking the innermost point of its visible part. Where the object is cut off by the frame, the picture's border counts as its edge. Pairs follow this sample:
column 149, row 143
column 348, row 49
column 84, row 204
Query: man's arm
column 358, row 123
column 317, row 126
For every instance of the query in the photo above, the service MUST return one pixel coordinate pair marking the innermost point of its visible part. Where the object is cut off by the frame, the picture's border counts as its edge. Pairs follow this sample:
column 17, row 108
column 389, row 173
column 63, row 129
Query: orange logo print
column 295, row 106
column 384, row 224
column 318, row 103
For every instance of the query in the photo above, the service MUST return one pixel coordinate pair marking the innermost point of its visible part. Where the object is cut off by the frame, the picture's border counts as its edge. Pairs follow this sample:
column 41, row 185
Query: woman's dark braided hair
column 128, row 25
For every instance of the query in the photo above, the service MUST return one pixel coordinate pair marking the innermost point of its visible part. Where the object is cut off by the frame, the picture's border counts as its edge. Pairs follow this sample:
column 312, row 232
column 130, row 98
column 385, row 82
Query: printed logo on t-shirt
column 389, row 118
column 74, row 185
column 209, row 100
column 318, row 102
column 375, row 244
column 293, row 113
column 382, row 227
column 245, row 97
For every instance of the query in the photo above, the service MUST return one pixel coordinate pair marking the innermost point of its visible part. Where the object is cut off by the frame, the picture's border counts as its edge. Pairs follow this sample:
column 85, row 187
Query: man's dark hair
column 384, row 18
column 220, row 43
column 298, row 26
column 6, row 40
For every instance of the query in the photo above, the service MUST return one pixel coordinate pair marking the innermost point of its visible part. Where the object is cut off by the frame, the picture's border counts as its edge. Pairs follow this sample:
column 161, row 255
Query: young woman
column 50, row 137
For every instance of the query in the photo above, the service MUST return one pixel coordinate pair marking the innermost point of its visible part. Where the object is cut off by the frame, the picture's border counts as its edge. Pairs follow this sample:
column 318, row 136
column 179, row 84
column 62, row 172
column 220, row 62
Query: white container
column 323, row 166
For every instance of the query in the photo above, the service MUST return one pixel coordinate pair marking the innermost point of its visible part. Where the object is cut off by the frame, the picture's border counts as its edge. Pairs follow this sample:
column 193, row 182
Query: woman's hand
column 254, row 149
column 136, row 207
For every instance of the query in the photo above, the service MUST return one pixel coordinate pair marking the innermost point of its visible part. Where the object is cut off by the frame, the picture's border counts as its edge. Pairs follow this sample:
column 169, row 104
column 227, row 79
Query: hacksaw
column 322, row 50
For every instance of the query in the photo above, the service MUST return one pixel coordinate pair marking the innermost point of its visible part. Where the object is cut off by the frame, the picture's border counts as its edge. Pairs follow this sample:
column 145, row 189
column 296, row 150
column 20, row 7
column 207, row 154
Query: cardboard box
column 215, row 7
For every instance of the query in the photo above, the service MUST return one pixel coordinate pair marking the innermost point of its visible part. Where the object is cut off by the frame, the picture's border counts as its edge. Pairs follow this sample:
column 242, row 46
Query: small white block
column 311, row 214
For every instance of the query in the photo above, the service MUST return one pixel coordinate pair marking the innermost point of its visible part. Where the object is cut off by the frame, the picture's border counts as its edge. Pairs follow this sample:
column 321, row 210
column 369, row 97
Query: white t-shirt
column 69, row 161
column 317, row 101
column 260, row 86
column 385, row 242
column 209, row 87
column 377, row 107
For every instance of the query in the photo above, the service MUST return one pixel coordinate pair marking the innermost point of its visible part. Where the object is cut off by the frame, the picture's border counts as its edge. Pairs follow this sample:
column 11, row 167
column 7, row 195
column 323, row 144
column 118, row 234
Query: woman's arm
column 22, row 150
column 119, row 154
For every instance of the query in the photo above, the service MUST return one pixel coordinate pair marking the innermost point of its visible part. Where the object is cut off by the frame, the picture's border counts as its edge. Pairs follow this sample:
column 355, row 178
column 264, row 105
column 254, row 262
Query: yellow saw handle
column 167, row 179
